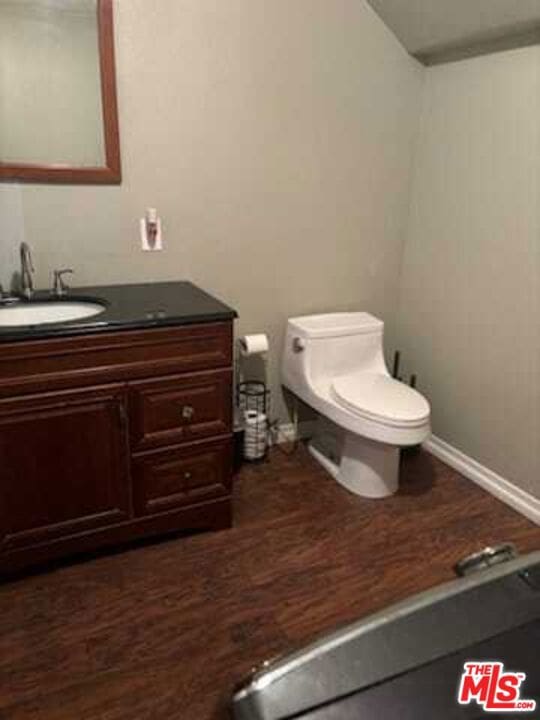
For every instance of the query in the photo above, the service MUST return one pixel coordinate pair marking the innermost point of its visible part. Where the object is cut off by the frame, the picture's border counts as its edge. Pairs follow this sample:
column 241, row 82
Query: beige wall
column 275, row 139
column 470, row 304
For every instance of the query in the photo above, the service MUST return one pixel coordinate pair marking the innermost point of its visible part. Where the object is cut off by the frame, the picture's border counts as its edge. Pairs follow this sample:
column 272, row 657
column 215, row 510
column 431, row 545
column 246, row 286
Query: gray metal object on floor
column 382, row 665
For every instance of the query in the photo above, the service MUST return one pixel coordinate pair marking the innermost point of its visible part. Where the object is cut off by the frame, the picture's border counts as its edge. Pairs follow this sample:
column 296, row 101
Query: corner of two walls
column 12, row 232
column 470, row 283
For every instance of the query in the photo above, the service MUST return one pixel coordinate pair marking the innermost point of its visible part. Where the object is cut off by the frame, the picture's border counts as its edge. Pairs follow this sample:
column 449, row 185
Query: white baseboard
column 503, row 489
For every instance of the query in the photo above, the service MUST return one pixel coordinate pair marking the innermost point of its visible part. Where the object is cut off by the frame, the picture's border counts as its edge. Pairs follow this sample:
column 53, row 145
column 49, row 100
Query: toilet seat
column 380, row 398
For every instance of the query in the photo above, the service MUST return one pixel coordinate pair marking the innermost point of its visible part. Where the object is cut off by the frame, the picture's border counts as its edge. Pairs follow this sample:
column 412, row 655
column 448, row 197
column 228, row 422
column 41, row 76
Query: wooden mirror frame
column 110, row 173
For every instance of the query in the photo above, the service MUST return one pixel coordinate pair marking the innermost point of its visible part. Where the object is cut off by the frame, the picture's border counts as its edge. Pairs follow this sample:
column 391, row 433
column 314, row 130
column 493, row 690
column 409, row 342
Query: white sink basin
column 39, row 313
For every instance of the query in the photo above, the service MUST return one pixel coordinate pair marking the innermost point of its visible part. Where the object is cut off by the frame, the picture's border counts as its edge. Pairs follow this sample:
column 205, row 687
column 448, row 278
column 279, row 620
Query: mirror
column 58, row 108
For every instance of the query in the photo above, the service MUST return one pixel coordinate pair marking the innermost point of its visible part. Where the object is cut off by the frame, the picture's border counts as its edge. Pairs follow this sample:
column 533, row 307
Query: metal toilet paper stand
column 252, row 425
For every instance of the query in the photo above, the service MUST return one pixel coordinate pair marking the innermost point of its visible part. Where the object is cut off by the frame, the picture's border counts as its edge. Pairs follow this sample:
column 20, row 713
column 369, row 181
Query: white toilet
column 335, row 364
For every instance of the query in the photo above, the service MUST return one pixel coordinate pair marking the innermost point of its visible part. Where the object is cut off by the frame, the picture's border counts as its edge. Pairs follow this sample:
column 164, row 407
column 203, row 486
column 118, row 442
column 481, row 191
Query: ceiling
column 432, row 28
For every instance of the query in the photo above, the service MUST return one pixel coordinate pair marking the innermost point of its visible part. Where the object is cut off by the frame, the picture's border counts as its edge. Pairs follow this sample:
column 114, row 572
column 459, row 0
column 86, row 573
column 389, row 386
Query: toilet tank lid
column 336, row 324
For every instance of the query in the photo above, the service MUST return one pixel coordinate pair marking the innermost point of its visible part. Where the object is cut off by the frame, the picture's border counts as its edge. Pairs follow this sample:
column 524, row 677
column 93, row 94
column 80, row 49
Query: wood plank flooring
column 163, row 631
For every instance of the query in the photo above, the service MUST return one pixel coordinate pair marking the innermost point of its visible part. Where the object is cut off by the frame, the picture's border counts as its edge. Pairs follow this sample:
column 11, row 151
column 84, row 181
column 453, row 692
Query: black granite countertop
column 127, row 307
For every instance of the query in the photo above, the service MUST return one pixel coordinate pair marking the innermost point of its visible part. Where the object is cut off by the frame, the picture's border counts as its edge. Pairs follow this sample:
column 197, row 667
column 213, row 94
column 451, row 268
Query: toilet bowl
column 335, row 364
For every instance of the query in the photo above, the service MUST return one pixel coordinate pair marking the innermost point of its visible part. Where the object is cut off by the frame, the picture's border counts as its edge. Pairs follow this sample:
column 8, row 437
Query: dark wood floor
column 162, row 632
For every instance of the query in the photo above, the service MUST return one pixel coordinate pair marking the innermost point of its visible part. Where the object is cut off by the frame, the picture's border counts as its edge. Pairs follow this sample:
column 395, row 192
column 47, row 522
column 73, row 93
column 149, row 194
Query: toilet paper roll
column 252, row 417
column 255, row 435
column 254, row 344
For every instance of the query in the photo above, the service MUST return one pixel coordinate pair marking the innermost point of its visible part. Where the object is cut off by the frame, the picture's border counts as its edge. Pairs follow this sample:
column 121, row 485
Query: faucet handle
column 59, row 286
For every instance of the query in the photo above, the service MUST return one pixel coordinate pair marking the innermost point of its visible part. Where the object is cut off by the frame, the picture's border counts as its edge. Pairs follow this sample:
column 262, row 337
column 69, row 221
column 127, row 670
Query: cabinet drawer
column 180, row 408
column 169, row 479
column 34, row 366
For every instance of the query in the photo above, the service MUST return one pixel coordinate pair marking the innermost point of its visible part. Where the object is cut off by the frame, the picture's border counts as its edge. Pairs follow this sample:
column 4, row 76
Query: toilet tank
column 319, row 348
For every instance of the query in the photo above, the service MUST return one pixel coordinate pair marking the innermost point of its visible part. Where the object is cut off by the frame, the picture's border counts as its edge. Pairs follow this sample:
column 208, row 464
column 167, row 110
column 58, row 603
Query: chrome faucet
column 27, row 268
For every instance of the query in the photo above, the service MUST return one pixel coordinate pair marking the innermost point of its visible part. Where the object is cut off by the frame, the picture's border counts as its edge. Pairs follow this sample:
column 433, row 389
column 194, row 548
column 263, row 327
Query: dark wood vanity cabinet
column 110, row 437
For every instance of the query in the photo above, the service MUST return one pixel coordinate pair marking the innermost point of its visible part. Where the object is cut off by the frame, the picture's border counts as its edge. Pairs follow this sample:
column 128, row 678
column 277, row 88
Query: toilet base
column 367, row 468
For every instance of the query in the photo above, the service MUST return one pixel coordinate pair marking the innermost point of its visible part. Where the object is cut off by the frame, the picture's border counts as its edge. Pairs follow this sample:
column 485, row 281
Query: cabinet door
column 64, row 464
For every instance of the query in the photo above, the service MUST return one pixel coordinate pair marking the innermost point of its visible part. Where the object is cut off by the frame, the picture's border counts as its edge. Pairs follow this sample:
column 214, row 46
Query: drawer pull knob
column 187, row 475
column 188, row 412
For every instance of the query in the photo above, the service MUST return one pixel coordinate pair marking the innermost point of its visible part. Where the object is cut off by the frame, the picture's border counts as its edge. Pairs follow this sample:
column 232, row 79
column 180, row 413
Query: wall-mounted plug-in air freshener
column 151, row 236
